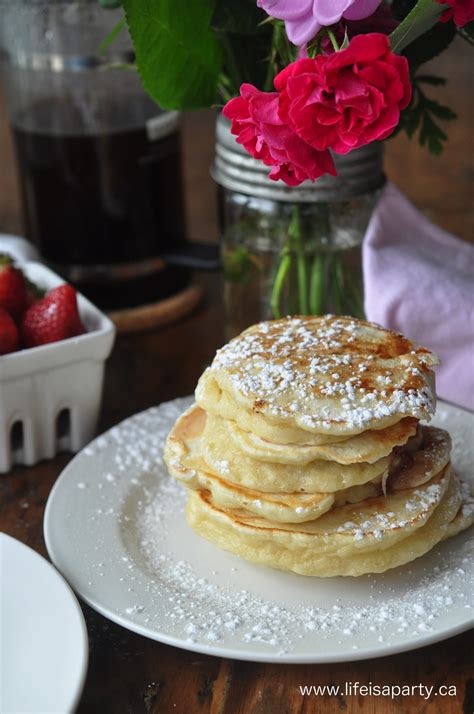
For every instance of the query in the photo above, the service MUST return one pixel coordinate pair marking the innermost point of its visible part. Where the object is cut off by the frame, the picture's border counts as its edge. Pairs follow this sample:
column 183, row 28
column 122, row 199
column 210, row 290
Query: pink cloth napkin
column 418, row 280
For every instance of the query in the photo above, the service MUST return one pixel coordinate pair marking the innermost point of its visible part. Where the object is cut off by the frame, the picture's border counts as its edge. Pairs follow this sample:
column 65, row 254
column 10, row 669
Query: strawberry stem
column 6, row 259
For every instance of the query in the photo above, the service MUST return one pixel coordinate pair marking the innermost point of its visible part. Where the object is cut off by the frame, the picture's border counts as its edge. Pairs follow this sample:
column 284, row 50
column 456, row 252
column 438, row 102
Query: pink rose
column 461, row 11
column 304, row 18
column 258, row 127
column 348, row 99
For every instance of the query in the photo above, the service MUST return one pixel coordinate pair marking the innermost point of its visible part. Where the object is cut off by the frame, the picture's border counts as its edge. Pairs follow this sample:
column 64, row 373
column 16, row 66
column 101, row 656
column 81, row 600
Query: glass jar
column 292, row 250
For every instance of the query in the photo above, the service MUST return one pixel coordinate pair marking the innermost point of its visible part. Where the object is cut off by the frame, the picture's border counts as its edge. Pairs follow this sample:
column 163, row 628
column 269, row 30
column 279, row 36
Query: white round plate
column 115, row 527
column 44, row 647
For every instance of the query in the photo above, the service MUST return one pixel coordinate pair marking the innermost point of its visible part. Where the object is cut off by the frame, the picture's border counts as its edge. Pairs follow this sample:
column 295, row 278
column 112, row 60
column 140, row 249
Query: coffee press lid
column 61, row 36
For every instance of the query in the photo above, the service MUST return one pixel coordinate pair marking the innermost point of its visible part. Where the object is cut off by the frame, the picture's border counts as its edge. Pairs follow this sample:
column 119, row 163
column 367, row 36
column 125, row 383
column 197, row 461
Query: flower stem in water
column 316, row 288
column 295, row 238
column 278, row 282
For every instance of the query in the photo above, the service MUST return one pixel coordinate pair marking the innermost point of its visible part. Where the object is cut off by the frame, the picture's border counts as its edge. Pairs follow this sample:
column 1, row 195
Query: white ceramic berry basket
column 50, row 395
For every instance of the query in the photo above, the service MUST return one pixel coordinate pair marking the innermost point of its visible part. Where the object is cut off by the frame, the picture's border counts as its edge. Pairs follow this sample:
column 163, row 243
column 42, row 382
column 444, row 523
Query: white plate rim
column 83, row 644
column 384, row 650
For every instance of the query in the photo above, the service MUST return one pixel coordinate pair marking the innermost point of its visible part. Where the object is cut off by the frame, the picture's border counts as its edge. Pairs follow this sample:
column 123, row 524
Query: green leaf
column 112, row 36
column 345, row 42
column 412, row 122
column 401, row 8
column 423, row 113
column 432, row 135
column 238, row 266
column 178, row 56
column 239, row 18
column 245, row 41
column 419, row 20
column 440, row 110
column 467, row 32
column 430, row 79
column 109, row 4
column 430, row 44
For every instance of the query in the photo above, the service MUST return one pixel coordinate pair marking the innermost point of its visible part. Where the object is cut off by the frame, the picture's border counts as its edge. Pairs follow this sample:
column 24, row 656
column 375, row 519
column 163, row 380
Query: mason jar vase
column 292, row 250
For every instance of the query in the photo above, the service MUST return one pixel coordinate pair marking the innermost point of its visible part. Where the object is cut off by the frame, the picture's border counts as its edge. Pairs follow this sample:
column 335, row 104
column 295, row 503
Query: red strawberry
column 12, row 287
column 54, row 317
column 8, row 333
column 33, row 293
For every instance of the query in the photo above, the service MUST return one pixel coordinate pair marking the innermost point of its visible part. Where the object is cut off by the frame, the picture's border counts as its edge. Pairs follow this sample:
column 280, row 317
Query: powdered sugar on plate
column 209, row 612
column 116, row 527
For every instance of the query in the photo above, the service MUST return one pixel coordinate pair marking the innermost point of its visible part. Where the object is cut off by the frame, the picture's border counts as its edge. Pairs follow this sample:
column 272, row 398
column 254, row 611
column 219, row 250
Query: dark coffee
column 102, row 199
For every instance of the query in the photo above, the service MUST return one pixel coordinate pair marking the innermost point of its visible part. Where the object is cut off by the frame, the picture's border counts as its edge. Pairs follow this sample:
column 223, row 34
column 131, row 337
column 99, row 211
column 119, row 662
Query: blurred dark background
column 440, row 186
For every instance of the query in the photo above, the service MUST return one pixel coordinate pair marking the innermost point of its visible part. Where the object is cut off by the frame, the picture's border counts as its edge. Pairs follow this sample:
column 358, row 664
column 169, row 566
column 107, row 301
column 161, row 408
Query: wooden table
column 130, row 674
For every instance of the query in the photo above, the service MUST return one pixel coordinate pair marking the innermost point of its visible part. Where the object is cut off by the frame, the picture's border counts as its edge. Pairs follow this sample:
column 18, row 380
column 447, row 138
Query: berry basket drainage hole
column 63, row 430
column 17, row 442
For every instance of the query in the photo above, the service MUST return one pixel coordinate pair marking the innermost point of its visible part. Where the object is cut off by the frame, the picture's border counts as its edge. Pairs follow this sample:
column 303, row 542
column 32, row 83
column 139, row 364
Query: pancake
column 373, row 524
column 368, row 447
column 419, row 466
column 278, row 507
column 465, row 515
column 184, row 460
column 215, row 402
column 304, row 451
column 191, row 446
column 369, row 538
column 316, row 476
column 328, row 376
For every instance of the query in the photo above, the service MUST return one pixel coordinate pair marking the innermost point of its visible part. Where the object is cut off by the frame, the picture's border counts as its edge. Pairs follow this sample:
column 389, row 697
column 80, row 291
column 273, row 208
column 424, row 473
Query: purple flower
column 304, row 18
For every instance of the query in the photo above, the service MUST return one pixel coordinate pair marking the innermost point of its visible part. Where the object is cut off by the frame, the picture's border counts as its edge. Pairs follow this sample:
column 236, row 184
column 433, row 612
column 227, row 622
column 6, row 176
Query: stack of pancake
column 304, row 450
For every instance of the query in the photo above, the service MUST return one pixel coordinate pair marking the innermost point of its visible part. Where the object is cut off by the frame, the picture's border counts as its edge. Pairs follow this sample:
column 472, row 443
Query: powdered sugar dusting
column 206, row 612
column 124, row 526
column 353, row 370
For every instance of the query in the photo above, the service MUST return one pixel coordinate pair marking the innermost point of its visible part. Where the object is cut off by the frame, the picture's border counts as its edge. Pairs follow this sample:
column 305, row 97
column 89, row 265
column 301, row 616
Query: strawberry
column 55, row 317
column 8, row 333
column 12, row 287
column 33, row 292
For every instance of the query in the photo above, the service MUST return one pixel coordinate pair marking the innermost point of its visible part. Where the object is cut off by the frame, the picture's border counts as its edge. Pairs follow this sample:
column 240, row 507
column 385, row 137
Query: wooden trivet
column 147, row 317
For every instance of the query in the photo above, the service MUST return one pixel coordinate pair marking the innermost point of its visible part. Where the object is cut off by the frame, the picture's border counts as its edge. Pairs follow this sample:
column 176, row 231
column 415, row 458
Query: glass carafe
column 99, row 163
